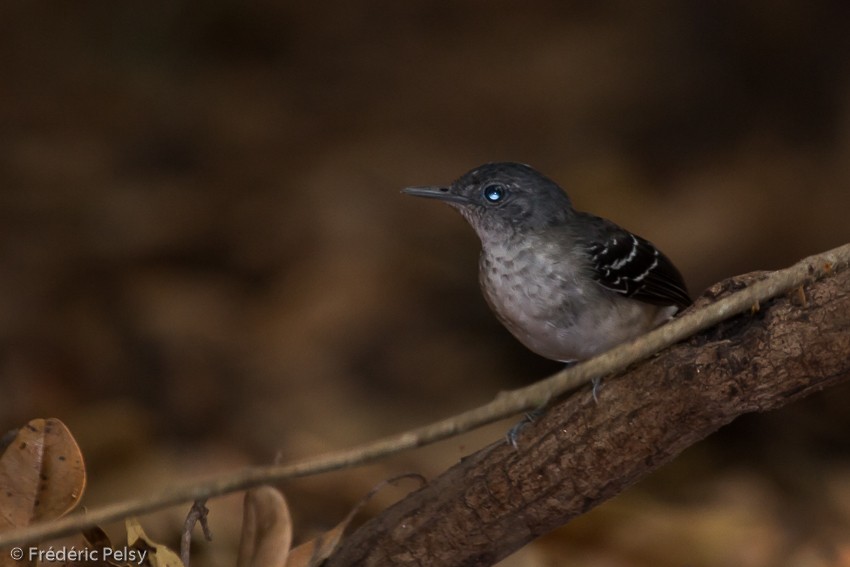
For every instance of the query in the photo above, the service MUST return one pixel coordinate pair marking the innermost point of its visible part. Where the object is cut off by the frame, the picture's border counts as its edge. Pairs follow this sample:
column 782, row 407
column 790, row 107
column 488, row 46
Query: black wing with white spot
column 630, row 265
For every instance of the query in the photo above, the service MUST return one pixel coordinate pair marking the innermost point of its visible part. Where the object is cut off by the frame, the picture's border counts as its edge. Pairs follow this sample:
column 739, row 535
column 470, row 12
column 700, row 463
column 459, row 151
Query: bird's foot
column 513, row 433
column 597, row 385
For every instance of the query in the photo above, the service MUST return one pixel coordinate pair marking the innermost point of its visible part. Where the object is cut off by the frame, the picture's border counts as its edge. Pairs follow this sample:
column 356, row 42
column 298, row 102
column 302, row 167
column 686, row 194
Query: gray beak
column 436, row 192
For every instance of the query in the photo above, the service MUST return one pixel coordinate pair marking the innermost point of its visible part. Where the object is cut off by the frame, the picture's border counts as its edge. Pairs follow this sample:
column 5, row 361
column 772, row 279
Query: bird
column 567, row 284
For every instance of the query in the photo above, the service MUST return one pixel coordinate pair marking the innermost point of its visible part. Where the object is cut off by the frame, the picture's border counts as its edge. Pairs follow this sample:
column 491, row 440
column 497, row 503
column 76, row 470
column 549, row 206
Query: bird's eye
column 494, row 193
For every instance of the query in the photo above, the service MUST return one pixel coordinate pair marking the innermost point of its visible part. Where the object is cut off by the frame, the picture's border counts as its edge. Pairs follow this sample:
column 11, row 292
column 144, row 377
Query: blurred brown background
column 205, row 261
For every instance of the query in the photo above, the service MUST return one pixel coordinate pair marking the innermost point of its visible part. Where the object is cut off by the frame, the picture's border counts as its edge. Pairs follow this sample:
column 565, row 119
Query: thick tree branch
column 580, row 453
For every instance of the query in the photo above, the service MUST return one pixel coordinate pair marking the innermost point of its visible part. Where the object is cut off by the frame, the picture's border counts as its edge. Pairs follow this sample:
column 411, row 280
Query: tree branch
column 708, row 313
column 580, row 454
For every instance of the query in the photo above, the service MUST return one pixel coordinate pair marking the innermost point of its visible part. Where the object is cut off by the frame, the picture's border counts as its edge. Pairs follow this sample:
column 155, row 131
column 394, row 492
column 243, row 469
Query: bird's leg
column 597, row 385
column 531, row 416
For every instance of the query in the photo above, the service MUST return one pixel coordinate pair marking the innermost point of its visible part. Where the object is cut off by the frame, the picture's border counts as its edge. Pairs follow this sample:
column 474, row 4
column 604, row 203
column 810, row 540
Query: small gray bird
column 567, row 284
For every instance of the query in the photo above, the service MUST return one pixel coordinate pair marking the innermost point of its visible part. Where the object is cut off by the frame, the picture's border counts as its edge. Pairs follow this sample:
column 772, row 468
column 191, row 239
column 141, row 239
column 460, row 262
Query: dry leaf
column 266, row 529
column 96, row 538
column 42, row 475
column 313, row 552
column 145, row 551
column 316, row 550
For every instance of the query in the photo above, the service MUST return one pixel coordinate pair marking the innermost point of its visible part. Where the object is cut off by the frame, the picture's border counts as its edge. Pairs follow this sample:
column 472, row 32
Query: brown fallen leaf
column 42, row 475
column 266, row 529
column 144, row 551
column 313, row 552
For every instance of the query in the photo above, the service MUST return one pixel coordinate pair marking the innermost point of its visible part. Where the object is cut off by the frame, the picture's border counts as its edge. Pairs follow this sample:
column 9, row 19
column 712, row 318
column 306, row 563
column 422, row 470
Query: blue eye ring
column 494, row 193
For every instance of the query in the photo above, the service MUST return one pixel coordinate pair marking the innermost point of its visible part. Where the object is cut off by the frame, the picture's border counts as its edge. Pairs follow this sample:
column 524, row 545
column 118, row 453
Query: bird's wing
column 632, row 266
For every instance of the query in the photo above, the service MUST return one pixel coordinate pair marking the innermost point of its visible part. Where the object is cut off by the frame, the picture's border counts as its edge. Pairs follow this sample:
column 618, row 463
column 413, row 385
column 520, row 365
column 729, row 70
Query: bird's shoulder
column 630, row 265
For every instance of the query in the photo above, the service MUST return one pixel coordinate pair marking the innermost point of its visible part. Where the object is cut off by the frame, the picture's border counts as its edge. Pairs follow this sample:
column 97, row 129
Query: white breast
column 532, row 290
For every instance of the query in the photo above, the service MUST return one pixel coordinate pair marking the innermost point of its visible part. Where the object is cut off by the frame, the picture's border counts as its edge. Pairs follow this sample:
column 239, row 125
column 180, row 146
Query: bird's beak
column 436, row 192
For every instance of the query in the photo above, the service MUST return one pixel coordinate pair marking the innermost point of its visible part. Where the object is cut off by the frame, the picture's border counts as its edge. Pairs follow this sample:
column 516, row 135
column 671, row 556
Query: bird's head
column 498, row 198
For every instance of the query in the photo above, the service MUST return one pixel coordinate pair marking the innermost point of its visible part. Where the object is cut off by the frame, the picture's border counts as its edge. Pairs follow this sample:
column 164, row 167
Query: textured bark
column 580, row 454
